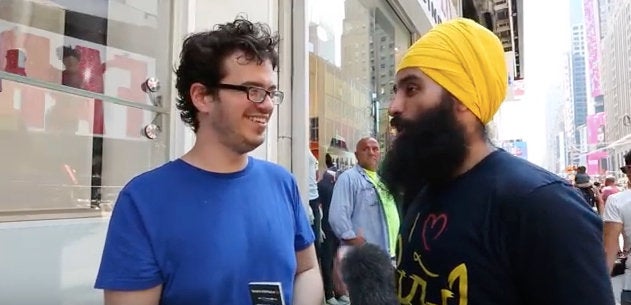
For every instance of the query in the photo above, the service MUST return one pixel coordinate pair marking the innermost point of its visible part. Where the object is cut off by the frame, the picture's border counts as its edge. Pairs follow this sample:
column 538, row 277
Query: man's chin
column 248, row 144
column 254, row 143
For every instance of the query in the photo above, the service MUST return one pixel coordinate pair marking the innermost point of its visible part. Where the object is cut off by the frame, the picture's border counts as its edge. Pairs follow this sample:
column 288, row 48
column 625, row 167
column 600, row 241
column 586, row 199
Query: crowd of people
column 595, row 191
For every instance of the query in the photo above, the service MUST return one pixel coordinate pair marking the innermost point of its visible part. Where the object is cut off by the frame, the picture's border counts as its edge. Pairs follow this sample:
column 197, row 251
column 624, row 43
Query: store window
column 81, row 105
column 354, row 46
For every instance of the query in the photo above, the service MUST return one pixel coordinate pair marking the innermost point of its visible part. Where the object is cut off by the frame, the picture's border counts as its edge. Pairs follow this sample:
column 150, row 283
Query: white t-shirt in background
column 618, row 209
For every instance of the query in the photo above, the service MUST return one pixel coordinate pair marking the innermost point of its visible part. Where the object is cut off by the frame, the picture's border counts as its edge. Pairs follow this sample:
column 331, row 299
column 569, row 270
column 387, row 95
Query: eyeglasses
column 256, row 94
column 625, row 168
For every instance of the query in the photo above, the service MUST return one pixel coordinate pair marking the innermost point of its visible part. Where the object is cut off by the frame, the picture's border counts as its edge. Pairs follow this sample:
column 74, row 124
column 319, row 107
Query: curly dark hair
column 203, row 55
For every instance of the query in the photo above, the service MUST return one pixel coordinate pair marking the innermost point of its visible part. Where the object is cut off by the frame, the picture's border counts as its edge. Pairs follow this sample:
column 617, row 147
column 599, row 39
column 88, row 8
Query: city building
column 508, row 26
column 604, row 8
column 562, row 154
column 581, row 133
column 616, row 78
column 68, row 148
column 596, row 160
column 593, row 56
column 579, row 87
column 576, row 109
column 554, row 125
column 567, row 148
column 592, row 153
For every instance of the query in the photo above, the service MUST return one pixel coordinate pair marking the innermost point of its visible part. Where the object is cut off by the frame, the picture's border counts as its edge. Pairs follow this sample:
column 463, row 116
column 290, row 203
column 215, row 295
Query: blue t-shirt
column 204, row 236
column 506, row 232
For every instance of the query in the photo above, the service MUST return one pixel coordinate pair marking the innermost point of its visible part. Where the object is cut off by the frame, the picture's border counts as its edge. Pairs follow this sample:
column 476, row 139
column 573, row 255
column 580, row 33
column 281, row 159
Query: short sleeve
column 556, row 249
column 612, row 211
column 304, row 236
column 128, row 261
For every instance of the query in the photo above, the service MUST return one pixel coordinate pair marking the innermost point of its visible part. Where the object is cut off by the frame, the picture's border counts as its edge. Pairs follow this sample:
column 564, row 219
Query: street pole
column 375, row 116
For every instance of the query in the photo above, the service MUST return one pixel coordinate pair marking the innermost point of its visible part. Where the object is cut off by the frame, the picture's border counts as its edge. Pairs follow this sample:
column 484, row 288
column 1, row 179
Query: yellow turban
column 467, row 60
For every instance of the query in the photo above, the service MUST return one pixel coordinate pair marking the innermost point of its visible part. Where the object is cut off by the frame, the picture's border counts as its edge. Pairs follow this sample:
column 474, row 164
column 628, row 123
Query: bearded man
column 481, row 226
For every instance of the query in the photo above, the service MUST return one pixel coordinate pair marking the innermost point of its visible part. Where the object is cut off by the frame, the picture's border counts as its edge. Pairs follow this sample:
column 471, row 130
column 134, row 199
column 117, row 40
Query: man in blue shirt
column 202, row 228
column 361, row 209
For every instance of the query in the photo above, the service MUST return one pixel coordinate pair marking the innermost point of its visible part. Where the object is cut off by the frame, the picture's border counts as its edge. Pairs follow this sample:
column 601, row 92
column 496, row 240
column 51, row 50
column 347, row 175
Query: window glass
column 354, row 46
column 75, row 105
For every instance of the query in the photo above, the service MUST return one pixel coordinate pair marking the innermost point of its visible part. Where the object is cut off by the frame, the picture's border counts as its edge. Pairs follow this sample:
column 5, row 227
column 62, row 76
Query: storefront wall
column 70, row 140
column 72, row 113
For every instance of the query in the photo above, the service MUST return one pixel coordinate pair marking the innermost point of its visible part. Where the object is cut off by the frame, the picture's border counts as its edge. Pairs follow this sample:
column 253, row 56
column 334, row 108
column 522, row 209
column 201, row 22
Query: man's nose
column 396, row 106
column 266, row 106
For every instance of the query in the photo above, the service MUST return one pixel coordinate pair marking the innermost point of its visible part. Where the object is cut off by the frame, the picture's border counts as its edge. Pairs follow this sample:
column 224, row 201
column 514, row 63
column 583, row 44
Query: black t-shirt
column 506, row 232
column 589, row 195
column 325, row 192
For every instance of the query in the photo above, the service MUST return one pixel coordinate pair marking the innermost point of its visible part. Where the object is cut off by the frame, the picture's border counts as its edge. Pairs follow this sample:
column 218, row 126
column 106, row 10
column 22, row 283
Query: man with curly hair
column 201, row 229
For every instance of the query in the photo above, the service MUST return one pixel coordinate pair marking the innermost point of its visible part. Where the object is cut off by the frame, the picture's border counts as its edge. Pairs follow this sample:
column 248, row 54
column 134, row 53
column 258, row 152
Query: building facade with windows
column 616, row 78
column 87, row 102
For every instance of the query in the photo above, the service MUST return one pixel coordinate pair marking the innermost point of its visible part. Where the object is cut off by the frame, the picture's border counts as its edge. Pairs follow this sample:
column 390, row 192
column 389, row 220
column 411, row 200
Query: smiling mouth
column 258, row 119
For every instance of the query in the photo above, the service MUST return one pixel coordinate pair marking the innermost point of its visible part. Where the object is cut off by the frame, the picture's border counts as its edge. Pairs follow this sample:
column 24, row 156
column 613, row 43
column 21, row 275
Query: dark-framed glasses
column 256, row 94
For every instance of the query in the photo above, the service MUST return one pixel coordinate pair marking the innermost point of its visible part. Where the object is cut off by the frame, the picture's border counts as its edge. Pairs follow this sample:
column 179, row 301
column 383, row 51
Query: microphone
column 369, row 276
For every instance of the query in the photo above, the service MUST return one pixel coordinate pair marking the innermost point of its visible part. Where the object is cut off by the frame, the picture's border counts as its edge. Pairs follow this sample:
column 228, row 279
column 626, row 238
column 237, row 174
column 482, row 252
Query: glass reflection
column 70, row 148
column 48, row 150
column 353, row 45
column 103, row 46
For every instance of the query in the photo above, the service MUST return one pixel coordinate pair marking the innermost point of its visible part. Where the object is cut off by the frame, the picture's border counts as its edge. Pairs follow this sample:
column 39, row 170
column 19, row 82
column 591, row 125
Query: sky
column 546, row 39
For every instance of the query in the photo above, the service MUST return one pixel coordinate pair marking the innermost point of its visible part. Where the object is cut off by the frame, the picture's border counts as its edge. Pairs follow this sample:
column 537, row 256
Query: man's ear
column 460, row 107
column 201, row 97
column 465, row 115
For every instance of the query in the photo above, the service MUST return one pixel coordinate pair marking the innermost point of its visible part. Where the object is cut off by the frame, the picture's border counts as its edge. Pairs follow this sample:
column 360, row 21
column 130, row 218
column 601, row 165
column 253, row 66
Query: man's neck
column 368, row 169
column 478, row 150
column 211, row 155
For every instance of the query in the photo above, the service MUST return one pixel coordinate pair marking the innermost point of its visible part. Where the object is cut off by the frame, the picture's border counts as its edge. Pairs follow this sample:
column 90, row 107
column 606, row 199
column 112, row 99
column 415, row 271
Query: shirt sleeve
column 556, row 247
column 341, row 209
column 612, row 211
column 128, row 262
column 304, row 235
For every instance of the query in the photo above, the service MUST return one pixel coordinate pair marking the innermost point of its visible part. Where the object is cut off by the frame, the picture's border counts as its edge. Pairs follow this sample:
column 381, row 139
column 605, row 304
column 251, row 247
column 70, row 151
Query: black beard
column 427, row 151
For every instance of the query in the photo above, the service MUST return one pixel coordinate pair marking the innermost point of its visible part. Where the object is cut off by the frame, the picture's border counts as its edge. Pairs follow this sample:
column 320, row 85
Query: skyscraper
column 603, row 14
column 577, row 73
column 616, row 73
column 593, row 54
